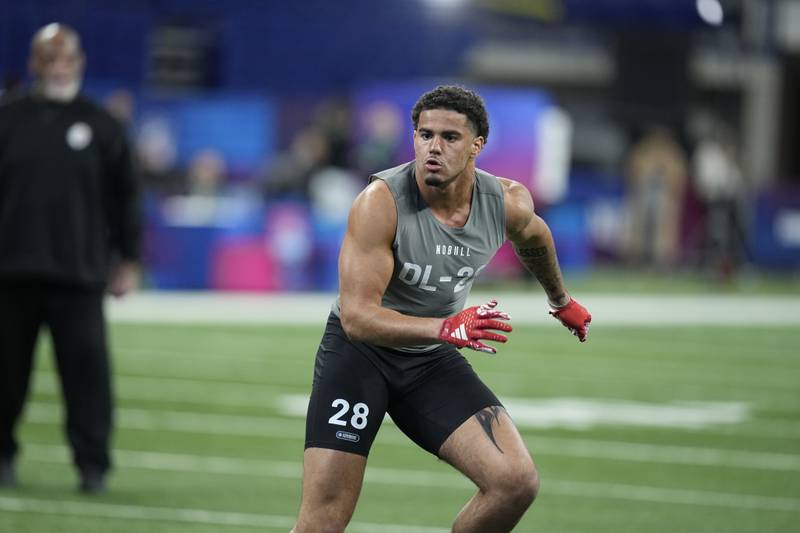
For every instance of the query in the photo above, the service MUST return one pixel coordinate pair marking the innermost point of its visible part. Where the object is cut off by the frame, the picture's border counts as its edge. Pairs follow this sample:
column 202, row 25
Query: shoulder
column 373, row 216
column 12, row 99
column 393, row 173
column 88, row 105
column 519, row 204
column 488, row 184
column 400, row 183
column 376, row 198
column 100, row 116
column 14, row 111
column 516, row 194
column 397, row 179
column 13, row 103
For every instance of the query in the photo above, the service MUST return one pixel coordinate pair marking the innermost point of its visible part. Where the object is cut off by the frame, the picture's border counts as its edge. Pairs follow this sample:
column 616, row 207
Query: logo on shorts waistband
column 346, row 435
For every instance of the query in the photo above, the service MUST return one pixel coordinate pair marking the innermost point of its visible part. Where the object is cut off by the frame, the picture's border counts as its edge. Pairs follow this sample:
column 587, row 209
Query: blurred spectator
column 383, row 125
column 291, row 173
column 656, row 181
column 718, row 182
column 206, row 175
column 69, row 228
column 207, row 199
column 11, row 85
column 332, row 191
column 289, row 236
column 157, row 153
column 333, row 120
column 122, row 106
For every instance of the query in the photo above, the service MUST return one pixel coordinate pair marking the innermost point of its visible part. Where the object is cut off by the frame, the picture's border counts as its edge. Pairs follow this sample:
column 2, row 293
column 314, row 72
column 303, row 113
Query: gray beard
column 61, row 93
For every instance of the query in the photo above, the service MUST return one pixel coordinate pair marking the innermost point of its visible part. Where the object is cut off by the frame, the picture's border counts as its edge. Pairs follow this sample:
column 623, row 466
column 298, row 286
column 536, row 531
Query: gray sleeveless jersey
column 434, row 264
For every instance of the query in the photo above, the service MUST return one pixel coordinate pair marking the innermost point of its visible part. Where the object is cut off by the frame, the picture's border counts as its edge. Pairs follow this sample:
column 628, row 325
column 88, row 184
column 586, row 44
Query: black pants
column 74, row 316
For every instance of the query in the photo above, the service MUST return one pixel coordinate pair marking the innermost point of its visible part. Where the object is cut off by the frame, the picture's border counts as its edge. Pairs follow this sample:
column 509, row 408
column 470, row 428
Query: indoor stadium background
column 257, row 122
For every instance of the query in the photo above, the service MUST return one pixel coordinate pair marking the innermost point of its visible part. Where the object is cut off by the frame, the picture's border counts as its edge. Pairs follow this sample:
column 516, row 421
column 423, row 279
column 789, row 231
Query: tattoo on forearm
column 544, row 266
column 486, row 418
column 532, row 252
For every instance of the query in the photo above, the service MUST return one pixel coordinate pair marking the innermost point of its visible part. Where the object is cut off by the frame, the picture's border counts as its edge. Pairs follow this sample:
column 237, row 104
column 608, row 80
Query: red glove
column 473, row 323
column 575, row 317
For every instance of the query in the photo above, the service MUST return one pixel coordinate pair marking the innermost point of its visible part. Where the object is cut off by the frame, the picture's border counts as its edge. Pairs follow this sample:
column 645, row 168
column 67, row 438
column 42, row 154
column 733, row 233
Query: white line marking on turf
column 586, row 413
column 659, row 453
column 217, row 357
column 192, row 516
column 184, row 422
column 702, row 498
column 204, row 392
column 731, row 414
column 609, row 309
column 422, row 478
column 779, row 379
column 181, row 390
column 252, row 426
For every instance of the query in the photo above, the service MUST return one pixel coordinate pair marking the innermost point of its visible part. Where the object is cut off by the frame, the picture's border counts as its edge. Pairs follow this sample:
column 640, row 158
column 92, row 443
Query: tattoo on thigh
column 486, row 418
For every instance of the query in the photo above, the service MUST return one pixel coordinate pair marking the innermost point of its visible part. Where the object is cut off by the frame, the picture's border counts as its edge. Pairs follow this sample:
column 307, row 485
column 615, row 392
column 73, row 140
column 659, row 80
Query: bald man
column 69, row 231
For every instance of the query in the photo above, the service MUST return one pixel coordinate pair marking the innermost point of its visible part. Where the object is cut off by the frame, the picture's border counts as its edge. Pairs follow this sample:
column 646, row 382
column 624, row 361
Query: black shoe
column 92, row 482
column 8, row 477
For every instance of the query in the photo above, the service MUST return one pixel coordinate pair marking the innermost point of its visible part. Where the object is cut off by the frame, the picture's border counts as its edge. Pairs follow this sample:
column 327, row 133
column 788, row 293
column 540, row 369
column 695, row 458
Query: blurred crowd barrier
column 249, row 192
column 656, row 135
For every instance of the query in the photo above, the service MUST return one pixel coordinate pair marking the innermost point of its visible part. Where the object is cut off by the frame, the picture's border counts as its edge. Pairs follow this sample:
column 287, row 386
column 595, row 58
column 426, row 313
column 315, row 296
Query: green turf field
column 639, row 430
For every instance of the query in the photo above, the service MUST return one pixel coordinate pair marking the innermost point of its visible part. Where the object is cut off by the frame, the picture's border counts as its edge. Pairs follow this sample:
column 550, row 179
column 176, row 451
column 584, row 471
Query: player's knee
column 526, row 488
column 321, row 523
column 518, row 486
column 326, row 528
column 325, row 517
column 530, row 487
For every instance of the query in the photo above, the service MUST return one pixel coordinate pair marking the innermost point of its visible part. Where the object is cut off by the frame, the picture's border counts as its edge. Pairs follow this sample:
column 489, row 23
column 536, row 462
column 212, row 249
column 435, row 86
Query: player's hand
column 472, row 324
column 575, row 318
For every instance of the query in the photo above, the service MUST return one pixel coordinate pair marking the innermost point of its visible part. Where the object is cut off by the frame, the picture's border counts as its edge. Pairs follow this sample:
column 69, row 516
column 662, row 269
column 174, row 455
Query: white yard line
column 215, row 357
column 702, row 498
column 204, row 393
column 183, row 422
column 190, row 516
column 607, row 309
column 253, row 426
column 200, row 393
column 650, row 453
column 425, row 478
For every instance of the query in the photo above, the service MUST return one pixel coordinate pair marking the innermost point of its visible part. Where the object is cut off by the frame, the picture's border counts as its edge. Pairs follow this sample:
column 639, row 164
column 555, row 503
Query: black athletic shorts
column 355, row 384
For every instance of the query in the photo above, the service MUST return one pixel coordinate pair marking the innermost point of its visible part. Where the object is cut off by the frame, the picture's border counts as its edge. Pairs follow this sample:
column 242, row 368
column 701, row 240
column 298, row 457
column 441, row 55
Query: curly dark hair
column 458, row 99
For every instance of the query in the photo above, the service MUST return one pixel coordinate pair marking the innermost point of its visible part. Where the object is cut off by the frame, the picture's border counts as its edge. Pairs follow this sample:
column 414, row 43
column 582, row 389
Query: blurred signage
column 181, row 56
column 787, row 227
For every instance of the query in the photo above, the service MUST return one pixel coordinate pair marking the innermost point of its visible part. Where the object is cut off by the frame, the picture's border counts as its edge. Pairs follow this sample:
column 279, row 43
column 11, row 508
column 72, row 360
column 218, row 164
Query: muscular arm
column 533, row 242
column 366, row 264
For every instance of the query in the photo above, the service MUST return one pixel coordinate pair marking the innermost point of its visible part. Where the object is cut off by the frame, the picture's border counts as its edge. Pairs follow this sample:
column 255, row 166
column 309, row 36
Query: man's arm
column 533, row 242
column 366, row 264
column 125, row 216
column 534, row 246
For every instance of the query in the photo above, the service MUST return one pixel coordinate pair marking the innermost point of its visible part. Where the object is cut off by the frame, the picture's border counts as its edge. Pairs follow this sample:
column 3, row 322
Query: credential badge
column 79, row 135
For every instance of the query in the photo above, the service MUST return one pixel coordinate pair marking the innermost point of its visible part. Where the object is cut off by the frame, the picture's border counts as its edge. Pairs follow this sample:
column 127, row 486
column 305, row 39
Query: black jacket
column 69, row 197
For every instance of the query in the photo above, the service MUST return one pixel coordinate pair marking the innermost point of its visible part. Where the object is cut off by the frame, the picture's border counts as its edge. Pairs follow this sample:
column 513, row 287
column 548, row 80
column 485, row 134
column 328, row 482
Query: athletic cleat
column 8, row 477
column 92, row 482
